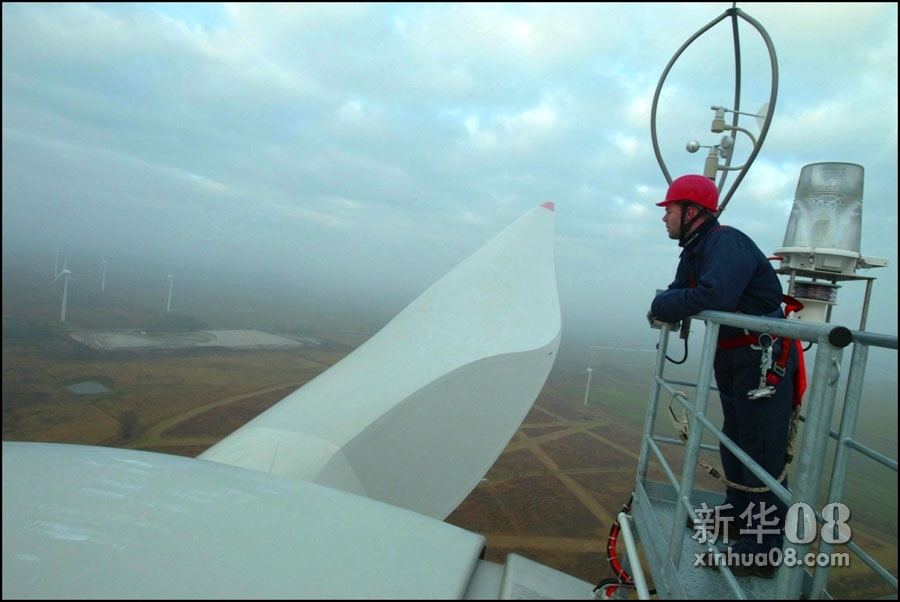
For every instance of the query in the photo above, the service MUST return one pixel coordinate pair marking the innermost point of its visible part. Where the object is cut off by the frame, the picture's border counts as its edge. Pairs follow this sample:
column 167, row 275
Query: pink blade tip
column 549, row 205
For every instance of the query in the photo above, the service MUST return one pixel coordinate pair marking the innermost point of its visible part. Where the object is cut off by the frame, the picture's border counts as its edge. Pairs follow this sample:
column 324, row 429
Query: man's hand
column 654, row 323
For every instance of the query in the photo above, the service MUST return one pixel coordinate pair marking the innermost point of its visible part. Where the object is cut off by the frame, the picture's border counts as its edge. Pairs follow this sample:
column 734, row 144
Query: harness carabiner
column 765, row 364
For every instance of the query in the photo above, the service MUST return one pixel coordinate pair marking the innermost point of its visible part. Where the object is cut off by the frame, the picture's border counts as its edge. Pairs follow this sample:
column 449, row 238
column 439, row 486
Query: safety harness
column 765, row 341
column 774, row 371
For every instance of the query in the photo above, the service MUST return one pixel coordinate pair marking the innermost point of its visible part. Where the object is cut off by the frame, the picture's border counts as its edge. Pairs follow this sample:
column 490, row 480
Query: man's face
column 672, row 220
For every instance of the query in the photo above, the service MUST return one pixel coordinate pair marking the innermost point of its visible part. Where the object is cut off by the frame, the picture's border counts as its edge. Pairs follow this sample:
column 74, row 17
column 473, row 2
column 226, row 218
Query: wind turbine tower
column 103, row 275
column 66, row 275
column 589, row 371
column 171, row 282
column 588, row 388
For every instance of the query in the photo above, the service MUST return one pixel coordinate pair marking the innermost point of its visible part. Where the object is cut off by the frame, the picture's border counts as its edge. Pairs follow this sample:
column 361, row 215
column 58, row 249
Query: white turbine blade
column 94, row 523
column 65, row 273
column 417, row 414
column 100, row 523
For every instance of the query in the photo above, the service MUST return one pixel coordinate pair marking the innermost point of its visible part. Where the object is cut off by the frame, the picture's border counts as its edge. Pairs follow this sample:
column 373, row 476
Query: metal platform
column 654, row 509
column 659, row 511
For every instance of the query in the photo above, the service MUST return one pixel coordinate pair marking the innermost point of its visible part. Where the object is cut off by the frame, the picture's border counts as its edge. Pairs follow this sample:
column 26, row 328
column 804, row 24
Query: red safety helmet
column 693, row 189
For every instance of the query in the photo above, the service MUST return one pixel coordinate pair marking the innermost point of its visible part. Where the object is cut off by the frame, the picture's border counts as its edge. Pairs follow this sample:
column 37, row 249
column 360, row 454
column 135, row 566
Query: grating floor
column 654, row 516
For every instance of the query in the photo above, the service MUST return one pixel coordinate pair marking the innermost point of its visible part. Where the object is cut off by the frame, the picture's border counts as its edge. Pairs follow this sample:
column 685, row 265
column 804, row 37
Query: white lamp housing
column 822, row 238
column 825, row 226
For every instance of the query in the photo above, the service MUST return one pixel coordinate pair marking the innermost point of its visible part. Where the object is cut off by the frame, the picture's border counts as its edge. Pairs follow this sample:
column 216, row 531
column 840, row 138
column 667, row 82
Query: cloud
column 373, row 146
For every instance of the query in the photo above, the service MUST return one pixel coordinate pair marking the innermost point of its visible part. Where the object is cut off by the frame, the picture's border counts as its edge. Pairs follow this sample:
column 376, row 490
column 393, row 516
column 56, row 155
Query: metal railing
column 823, row 377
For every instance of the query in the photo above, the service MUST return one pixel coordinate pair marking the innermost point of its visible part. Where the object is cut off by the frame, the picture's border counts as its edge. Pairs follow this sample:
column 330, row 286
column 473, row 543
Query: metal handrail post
column 650, row 418
column 637, row 571
column 809, row 468
column 692, row 447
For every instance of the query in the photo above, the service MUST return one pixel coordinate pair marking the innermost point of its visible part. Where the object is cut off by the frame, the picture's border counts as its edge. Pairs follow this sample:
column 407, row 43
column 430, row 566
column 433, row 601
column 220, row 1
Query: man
column 721, row 268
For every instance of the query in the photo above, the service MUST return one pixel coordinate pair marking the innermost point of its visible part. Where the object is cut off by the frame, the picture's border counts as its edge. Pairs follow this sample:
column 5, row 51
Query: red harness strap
column 799, row 375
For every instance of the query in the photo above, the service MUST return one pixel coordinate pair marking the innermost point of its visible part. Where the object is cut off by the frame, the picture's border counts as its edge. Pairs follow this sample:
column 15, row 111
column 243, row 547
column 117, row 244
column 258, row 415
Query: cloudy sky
column 368, row 148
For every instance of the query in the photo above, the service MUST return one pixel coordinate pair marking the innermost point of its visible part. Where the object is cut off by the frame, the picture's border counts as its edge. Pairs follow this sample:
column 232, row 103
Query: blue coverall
column 722, row 269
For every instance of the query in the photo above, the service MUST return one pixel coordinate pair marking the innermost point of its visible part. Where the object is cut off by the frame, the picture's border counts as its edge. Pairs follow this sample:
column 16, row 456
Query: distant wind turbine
column 66, row 275
column 588, row 388
column 589, row 371
column 103, row 263
column 171, row 282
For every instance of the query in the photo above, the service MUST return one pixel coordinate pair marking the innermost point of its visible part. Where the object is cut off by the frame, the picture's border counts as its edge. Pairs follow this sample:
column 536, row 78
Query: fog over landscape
column 363, row 150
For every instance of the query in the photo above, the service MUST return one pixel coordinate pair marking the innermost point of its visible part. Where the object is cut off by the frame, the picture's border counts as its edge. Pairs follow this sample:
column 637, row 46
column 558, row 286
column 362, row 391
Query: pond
column 88, row 387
